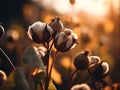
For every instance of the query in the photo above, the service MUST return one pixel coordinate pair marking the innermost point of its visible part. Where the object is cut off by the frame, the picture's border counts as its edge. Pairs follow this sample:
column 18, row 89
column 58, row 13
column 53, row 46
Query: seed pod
column 83, row 86
column 65, row 40
column 1, row 31
column 40, row 32
column 56, row 25
column 81, row 61
column 99, row 70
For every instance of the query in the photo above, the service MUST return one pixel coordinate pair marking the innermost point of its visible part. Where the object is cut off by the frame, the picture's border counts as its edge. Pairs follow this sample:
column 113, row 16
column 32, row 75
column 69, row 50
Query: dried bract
column 56, row 25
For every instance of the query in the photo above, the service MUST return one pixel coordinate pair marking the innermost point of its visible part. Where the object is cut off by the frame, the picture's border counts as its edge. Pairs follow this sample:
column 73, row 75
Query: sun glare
column 97, row 7
column 93, row 7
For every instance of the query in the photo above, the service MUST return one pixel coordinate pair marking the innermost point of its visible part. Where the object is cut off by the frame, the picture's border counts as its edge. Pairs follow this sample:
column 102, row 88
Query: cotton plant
column 40, row 32
column 97, row 68
column 81, row 62
column 35, row 70
column 49, row 35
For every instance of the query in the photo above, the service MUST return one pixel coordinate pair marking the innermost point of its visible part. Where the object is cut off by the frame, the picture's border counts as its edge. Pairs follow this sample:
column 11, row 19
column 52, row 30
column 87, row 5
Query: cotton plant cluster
column 97, row 68
column 49, row 35
column 63, row 38
column 35, row 70
column 34, row 73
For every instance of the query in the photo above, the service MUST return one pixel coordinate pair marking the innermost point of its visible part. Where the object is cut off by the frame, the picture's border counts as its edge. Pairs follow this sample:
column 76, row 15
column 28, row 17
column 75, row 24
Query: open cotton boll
column 69, row 42
column 38, row 27
column 40, row 32
column 94, row 59
column 105, row 68
column 64, row 40
column 99, row 70
column 61, row 38
column 74, row 36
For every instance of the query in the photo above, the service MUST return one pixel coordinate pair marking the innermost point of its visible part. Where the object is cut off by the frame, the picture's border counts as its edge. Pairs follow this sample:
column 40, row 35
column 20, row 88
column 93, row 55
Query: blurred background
column 96, row 22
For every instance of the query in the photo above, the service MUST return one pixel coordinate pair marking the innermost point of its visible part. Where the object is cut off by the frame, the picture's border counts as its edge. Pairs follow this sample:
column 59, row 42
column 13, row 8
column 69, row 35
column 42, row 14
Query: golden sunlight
column 93, row 7
column 97, row 7
column 56, row 76
column 66, row 62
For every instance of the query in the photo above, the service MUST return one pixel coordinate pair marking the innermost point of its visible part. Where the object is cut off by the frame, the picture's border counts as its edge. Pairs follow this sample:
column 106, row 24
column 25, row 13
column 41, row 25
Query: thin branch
column 70, row 79
column 47, row 68
column 52, row 44
column 52, row 66
column 7, row 58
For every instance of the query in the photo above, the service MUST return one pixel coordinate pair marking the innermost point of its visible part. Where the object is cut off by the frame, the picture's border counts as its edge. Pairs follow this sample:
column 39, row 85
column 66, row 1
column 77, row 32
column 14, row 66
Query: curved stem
column 70, row 79
column 7, row 58
column 48, row 75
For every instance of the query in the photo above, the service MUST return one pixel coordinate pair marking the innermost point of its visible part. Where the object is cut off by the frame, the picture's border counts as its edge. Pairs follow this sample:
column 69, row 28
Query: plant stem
column 52, row 44
column 70, row 79
column 7, row 58
column 52, row 64
column 49, row 74
column 47, row 68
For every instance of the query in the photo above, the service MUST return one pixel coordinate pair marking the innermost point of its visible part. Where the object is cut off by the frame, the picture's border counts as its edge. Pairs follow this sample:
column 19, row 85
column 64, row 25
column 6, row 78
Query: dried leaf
column 32, row 59
column 21, row 83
